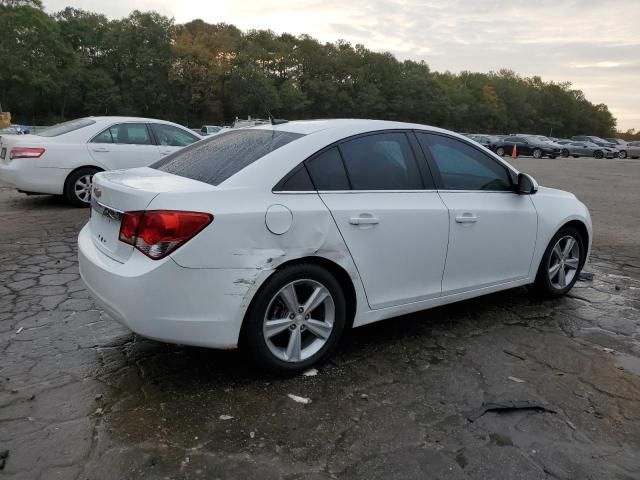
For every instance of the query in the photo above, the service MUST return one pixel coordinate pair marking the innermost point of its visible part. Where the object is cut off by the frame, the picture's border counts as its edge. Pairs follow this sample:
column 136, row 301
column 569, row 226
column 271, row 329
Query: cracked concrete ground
column 83, row 398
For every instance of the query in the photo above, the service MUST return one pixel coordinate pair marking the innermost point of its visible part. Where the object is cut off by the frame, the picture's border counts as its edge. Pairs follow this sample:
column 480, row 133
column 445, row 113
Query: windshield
column 66, row 127
column 217, row 158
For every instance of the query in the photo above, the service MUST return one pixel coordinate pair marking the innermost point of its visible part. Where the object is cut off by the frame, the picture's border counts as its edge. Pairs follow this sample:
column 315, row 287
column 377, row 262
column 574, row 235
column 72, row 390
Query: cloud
column 591, row 43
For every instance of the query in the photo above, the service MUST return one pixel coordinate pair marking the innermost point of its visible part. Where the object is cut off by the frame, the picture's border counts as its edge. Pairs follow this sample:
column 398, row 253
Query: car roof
column 107, row 118
column 307, row 127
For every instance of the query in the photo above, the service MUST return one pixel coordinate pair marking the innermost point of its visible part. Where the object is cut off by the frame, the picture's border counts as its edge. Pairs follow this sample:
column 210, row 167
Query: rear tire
column 622, row 154
column 77, row 187
column 537, row 153
column 564, row 153
column 283, row 336
column 598, row 154
column 500, row 151
column 561, row 263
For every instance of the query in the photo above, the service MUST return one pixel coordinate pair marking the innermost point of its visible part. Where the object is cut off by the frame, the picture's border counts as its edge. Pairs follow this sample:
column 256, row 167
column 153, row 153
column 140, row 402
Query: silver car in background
column 587, row 149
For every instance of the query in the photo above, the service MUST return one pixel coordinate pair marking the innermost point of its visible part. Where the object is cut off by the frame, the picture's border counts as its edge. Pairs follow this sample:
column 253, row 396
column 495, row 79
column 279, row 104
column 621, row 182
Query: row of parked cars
column 539, row 146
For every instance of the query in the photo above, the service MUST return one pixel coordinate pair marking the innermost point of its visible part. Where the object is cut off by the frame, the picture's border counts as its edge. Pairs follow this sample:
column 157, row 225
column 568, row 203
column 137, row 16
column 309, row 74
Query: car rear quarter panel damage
column 238, row 238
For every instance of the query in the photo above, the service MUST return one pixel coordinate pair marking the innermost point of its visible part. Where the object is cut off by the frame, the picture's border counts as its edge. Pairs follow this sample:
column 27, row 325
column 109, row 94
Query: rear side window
column 381, row 161
column 66, row 127
column 125, row 134
column 217, row 158
column 327, row 171
column 298, row 181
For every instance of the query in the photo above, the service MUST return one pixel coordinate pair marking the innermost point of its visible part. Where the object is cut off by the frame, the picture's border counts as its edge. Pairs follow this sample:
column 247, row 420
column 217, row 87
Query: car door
column 387, row 210
column 524, row 148
column 521, row 145
column 124, row 145
column 171, row 138
column 492, row 229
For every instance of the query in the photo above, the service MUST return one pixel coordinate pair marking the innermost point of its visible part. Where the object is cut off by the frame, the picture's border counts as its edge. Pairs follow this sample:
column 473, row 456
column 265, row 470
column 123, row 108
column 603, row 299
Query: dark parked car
column 488, row 141
column 526, row 145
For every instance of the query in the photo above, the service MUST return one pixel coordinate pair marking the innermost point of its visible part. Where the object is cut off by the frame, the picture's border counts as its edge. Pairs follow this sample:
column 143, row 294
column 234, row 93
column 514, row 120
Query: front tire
column 598, row 154
column 564, row 152
column 77, row 187
column 500, row 151
column 561, row 263
column 295, row 320
column 622, row 154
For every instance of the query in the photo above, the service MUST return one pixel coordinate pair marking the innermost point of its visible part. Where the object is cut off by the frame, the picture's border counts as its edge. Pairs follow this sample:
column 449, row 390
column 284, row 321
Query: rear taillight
column 26, row 153
column 157, row 233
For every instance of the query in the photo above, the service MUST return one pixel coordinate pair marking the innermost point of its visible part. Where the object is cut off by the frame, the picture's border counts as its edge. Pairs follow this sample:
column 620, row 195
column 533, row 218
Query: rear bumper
column 164, row 301
column 24, row 175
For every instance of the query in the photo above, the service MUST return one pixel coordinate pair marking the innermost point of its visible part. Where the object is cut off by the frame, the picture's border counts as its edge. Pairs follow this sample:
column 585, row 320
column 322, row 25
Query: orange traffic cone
column 514, row 152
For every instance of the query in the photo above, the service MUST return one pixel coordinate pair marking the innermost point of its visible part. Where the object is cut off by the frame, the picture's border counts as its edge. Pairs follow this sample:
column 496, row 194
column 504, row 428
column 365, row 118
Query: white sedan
column 61, row 160
column 278, row 237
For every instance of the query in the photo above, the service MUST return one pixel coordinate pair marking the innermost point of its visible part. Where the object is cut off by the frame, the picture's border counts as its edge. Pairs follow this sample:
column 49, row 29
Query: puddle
column 628, row 362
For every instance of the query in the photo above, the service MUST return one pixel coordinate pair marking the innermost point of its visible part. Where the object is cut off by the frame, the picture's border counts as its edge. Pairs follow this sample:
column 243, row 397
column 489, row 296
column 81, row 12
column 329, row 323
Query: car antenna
column 276, row 121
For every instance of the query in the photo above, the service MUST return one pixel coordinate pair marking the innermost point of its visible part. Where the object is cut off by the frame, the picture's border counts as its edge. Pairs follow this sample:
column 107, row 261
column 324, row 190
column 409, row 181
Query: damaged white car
column 279, row 237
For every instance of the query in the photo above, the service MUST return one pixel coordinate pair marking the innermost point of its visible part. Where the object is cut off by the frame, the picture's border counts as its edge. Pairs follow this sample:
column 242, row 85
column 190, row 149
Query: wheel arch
column 66, row 180
column 341, row 275
column 584, row 234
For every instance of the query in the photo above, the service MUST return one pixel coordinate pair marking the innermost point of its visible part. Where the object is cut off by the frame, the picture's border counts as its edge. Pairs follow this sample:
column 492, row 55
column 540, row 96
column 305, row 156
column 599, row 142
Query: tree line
column 75, row 63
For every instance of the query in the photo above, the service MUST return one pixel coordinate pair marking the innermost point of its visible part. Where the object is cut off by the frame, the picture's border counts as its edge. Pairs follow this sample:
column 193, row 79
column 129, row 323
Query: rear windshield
column 66, row 127
column 215, row 159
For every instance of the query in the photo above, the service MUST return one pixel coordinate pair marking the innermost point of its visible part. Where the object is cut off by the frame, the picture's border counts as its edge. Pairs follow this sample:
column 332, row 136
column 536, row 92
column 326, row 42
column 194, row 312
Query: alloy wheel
column 537, row 153
column 82, row 188
column 299, row 320
column 564, row 262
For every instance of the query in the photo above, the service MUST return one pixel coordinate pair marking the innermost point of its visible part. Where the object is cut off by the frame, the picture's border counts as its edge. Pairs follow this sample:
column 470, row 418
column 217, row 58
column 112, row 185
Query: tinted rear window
column 215, row 159
column 66, row 127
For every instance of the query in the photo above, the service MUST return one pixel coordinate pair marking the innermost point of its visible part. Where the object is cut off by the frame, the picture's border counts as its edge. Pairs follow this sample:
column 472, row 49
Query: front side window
column 382, row 161
column 171, row 136
column 463, row 167
column 217, row 158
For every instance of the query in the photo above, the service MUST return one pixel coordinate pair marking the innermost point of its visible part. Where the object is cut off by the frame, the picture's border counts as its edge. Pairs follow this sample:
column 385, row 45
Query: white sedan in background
column 278, row 237
column 61, row 160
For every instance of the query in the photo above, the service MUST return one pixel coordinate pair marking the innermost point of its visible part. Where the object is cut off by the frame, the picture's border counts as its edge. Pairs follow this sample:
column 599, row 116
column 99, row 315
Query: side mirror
column 526, row 184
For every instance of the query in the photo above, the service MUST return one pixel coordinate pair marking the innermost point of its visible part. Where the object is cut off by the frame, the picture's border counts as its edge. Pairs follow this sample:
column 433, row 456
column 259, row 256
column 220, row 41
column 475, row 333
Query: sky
column 594, row 44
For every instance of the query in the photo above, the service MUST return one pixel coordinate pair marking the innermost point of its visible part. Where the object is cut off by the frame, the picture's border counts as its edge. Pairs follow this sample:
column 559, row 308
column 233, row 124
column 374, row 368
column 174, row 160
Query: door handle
column 362, row 220
column 466, row 218
column 100, row 149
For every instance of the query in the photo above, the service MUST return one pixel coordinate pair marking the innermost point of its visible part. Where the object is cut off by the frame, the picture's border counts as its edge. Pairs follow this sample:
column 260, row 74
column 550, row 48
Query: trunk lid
column 120, row 191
